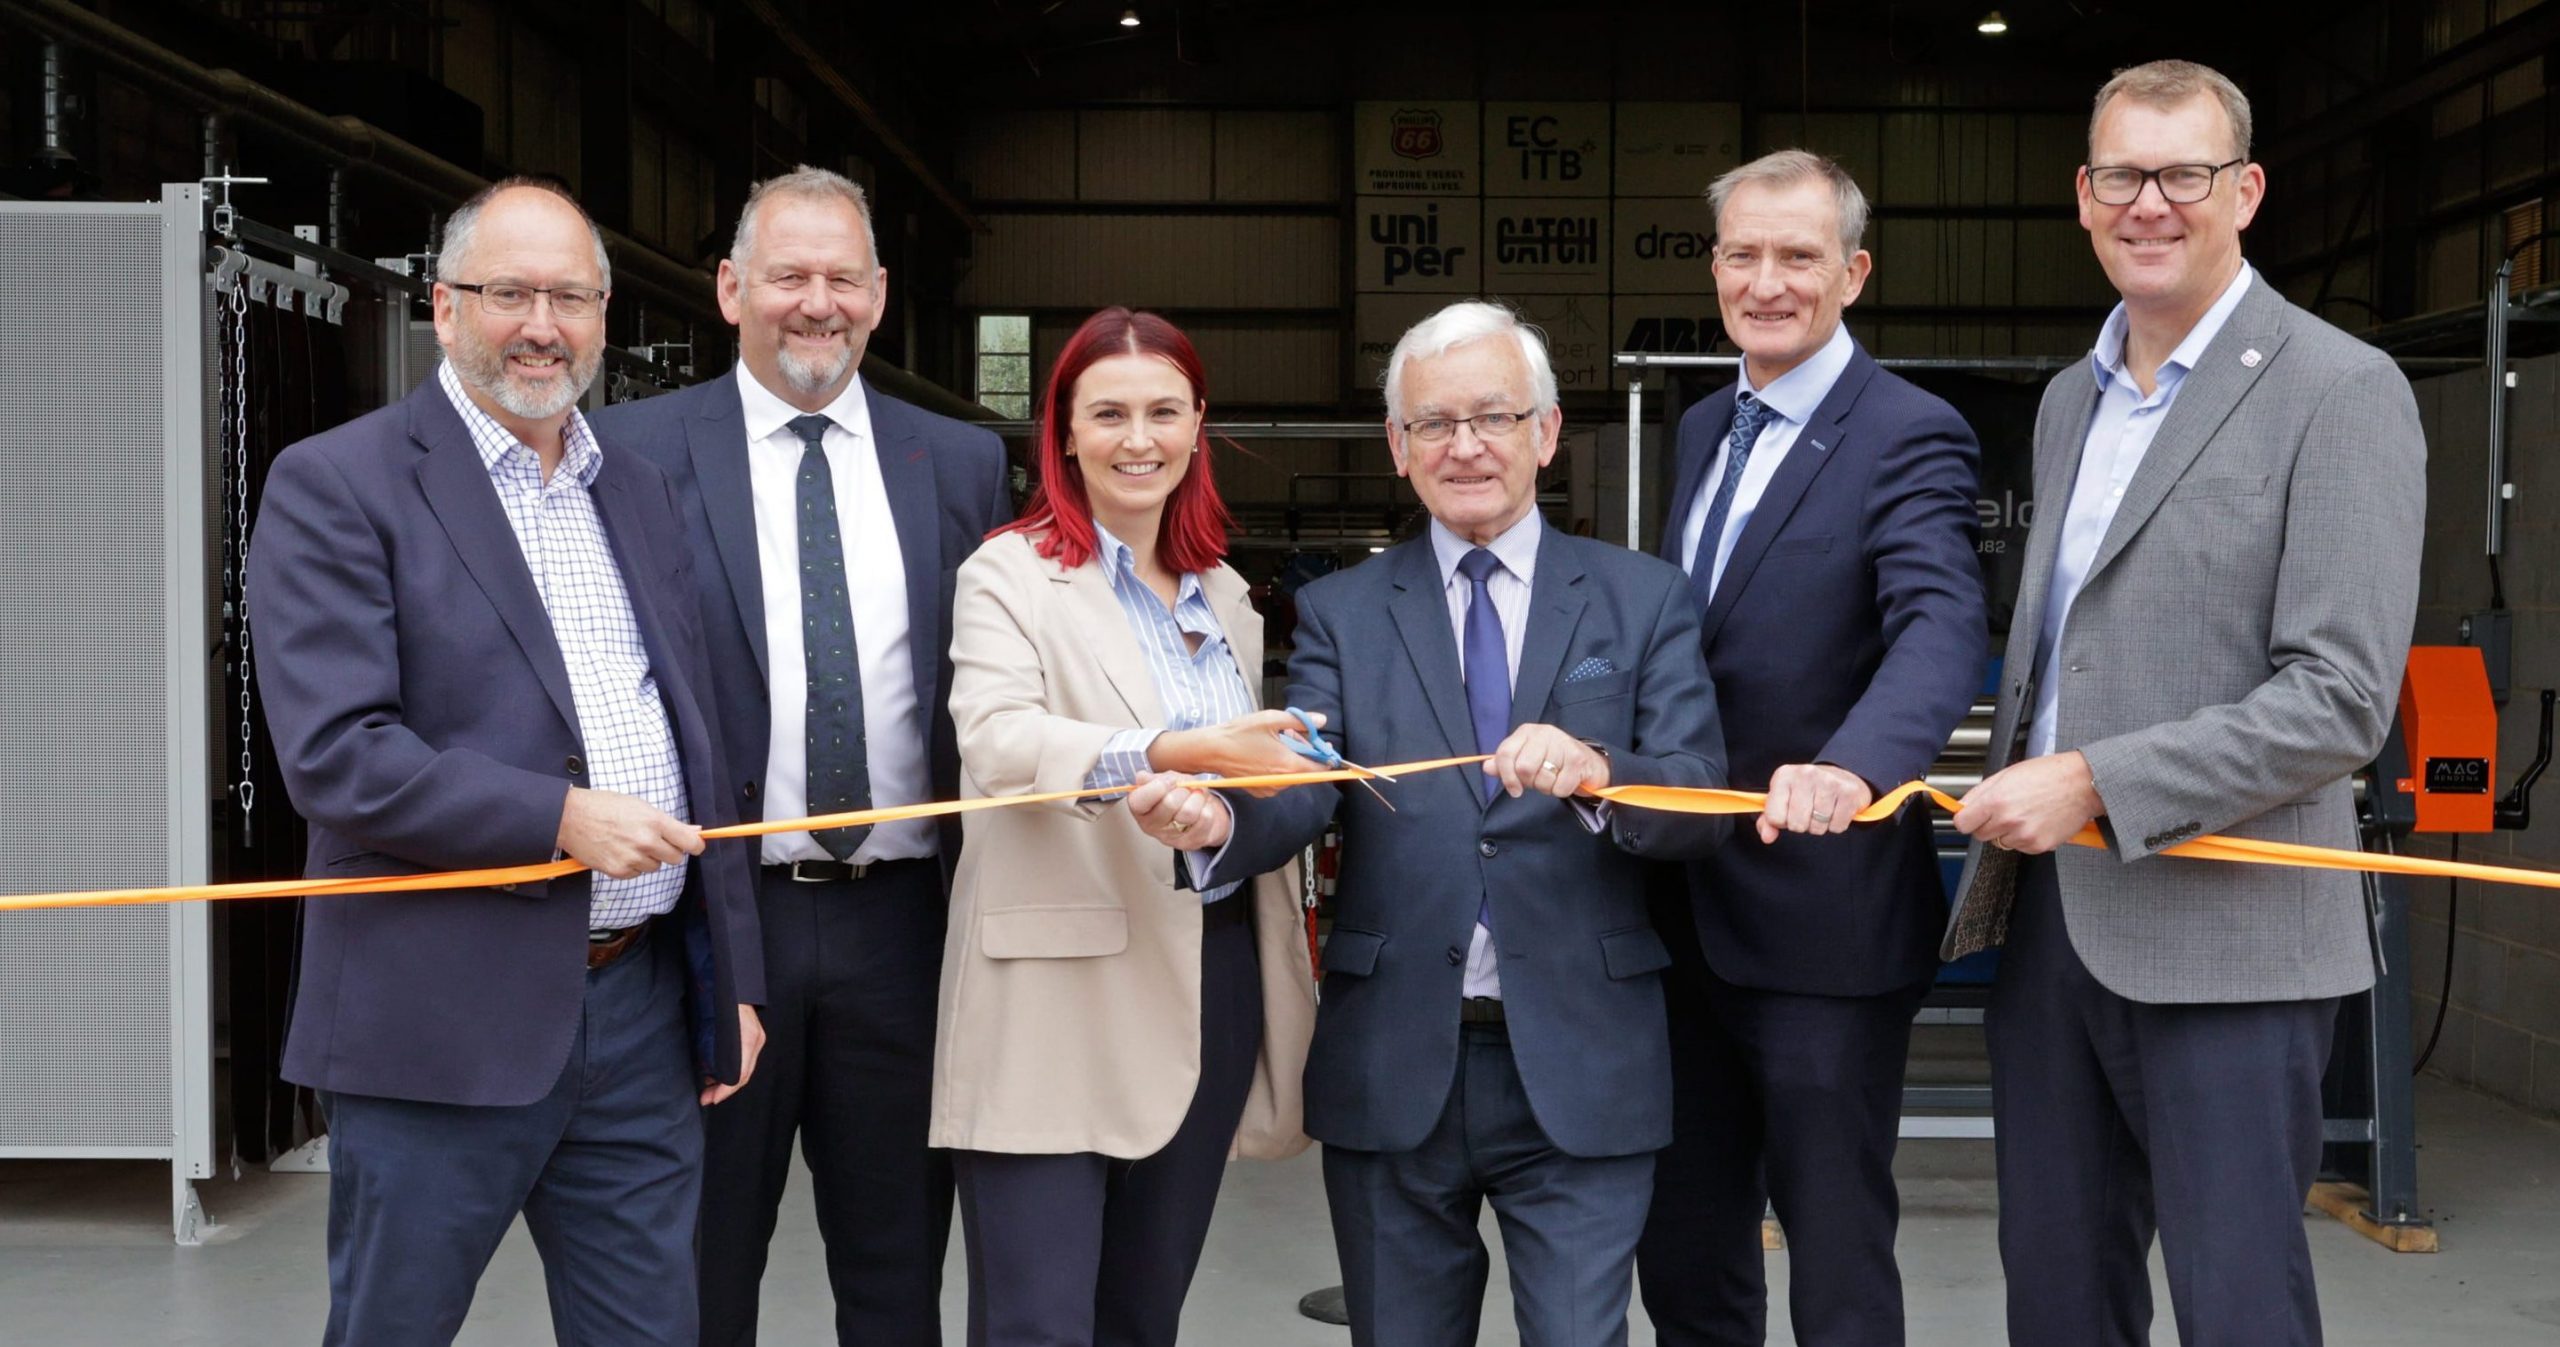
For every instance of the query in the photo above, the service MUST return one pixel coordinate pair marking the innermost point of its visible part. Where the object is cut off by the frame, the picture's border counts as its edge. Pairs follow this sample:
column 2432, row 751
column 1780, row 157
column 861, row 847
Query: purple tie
column 1488, row 677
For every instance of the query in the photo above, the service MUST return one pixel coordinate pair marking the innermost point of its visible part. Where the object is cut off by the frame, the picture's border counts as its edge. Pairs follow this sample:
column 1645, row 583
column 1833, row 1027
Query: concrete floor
column 85, row 1256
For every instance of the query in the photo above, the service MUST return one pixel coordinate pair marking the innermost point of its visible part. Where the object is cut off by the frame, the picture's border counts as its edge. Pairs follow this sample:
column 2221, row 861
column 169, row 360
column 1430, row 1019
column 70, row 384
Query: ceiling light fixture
column 1992, row 25
column 1129, row 18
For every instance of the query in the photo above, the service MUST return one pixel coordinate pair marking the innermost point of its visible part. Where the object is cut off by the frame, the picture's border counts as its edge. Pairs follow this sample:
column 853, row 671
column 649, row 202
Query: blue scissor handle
column 1315, row 748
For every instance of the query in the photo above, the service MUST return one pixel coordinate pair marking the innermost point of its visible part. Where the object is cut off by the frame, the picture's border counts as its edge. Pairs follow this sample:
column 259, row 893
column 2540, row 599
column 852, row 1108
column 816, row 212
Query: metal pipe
column 2496, row 352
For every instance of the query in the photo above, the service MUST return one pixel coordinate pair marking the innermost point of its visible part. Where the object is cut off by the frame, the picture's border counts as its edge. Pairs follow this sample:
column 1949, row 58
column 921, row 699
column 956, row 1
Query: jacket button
column 748, row 790
column 1457, row 955
column 1487, row 849
column 577, row 765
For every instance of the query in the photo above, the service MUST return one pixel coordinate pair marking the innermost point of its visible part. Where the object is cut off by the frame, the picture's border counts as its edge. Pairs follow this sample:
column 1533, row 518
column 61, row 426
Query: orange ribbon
column 1671, row 799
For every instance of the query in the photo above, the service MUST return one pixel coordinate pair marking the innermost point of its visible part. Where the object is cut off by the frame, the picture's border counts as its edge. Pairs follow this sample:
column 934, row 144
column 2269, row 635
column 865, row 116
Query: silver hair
column 2166, row 84
column 806, row 182
column 1458, row 324
column 462, row 228
column 1786, row 168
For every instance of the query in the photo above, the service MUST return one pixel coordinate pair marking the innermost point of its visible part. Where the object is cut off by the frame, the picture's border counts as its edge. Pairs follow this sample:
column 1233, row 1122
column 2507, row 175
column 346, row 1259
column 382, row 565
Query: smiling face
column 2165, row 258
column 1780, row 278
column 528, row 368
column 1133, row 425
column 807, row 300
column 1474, row 485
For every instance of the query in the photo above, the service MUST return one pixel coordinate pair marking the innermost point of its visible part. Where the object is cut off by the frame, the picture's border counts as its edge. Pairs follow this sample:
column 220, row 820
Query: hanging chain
column 236, row 466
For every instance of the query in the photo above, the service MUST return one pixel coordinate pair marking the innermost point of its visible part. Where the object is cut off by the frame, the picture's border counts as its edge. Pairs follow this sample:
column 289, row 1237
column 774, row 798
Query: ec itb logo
column 1414, row 133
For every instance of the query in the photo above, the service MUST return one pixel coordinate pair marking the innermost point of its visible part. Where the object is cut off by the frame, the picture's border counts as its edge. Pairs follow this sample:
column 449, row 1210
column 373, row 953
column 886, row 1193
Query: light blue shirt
column 1794, row 396
column 1197, row 687
column 2120, row 433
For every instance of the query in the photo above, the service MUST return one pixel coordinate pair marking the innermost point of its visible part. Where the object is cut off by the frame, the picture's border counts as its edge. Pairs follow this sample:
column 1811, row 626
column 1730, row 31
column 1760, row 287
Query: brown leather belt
column 604, row 947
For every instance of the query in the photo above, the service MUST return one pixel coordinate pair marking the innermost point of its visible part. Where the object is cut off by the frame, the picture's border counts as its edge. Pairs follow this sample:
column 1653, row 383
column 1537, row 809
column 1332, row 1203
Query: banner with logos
column 1546, row 245
column 1546, row 149
column 1415, row 149
column 1418, row 245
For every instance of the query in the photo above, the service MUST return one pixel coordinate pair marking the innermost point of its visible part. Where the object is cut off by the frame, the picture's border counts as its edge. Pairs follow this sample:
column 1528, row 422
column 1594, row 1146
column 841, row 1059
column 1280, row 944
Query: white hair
column 1785, row 168
column 1455, row 326
column 805, row 183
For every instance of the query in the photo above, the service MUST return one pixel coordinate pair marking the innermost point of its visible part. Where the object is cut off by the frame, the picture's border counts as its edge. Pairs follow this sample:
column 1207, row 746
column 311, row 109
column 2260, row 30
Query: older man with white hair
column 1492, row 1023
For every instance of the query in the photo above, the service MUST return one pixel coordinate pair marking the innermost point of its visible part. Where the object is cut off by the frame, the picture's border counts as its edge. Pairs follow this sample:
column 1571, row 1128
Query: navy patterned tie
column 838, row 762
column 1488, row 677
column 1749, row 415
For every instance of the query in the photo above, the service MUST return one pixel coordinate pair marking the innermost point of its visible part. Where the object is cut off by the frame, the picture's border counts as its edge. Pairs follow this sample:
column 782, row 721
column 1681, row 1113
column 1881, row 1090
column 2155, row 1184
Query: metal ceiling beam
column 2517, row 40
column 825, row 73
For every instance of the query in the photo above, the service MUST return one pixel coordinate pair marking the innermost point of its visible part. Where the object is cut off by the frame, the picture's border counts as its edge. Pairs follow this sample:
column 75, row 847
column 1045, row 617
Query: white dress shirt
column 1793, row 397
column 2120, row 433
column 894, row 726
column 1510, row 585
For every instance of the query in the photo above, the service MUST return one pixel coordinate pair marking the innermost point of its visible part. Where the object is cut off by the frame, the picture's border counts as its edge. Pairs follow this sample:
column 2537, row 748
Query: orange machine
column 2451, row 729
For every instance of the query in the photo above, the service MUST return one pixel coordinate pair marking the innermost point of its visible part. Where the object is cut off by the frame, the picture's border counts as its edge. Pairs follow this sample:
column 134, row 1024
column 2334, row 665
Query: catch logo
column 1671, row 336
column 1410, row 244
column 1414, row 133
column 2457, row 776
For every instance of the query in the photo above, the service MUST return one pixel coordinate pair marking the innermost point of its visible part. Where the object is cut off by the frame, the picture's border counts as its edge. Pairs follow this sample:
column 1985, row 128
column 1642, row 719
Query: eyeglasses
column 1442, row 429
column 1742, row 261
column 571, row 303
column 2180, row 184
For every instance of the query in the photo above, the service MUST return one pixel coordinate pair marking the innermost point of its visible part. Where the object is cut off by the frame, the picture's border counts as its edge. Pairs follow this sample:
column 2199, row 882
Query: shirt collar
column 1799, row 392
column 767, row 414
column 1516, row 548
column 579, row 452
column 1118, row 559
column 2107, row 361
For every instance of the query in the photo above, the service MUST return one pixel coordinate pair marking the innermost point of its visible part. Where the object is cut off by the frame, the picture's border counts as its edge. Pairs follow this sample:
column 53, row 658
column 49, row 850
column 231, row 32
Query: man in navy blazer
column 1825, row 517
column 794, row 445
column 478, row 646
column 1492, row 1022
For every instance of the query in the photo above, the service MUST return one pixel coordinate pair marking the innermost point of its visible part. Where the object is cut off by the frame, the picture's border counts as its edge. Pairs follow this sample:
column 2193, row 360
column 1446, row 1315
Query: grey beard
column 484, row 368
column 811, row 378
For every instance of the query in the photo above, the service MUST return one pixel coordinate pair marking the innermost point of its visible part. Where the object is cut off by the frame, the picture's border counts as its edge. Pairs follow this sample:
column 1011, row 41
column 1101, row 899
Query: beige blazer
column 1069, row 1018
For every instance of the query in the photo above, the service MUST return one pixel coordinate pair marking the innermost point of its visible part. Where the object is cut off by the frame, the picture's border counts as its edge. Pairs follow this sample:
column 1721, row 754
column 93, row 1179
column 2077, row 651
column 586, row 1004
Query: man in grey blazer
column 1492, row 1023
column 2215, row 609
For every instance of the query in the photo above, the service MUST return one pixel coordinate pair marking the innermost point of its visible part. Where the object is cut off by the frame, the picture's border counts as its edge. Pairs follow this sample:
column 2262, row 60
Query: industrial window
column 2525, row 239
column 1004, row 364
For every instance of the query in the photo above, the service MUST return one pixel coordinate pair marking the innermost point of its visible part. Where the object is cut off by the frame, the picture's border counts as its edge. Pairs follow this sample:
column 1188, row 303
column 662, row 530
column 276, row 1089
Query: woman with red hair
column 1126, row 998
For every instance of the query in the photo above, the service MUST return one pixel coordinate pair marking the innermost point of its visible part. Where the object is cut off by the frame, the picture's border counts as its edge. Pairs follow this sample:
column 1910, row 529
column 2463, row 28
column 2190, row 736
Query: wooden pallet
column 2350, row 1204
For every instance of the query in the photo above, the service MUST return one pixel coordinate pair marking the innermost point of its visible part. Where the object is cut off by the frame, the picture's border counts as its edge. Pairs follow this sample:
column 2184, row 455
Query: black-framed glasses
column 1442, row 429
column 572, row 302
column 2180, row 184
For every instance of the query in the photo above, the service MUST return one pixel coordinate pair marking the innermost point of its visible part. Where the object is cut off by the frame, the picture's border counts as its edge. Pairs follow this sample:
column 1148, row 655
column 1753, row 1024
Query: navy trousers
column 1787, row 1101
column 2118, row 1120
column 1091, row 1251
column 851, row 969
column 606, row 1169
column 1414, row 1266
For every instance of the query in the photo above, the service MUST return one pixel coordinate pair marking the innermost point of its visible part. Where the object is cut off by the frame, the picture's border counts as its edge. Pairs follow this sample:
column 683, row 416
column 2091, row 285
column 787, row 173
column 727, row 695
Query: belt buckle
column 826, row 872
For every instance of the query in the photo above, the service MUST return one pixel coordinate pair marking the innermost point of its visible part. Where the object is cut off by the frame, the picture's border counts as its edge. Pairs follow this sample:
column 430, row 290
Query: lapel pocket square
column 1595, row 667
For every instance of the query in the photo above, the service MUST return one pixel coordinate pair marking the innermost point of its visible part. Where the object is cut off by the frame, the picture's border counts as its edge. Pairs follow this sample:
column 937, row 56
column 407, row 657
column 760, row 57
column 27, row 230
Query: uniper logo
column 1412, row 244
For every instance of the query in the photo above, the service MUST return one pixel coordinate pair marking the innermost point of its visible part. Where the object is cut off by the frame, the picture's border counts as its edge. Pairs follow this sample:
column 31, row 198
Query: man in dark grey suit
column 793, row 445
column 1492, row 1024
column 2216, row 606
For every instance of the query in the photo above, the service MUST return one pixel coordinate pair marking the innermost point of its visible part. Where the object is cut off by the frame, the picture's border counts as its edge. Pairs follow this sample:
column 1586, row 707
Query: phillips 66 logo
column 1415, row 133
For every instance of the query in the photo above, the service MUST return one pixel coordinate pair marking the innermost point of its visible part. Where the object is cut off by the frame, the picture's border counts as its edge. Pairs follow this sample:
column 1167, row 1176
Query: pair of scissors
column 1314, row 749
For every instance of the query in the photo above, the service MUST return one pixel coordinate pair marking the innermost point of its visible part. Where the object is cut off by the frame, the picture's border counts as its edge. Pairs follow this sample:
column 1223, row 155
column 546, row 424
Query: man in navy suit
column 1825, row 517
column 793, row 445
column 1492, row 1022
column 479, row 647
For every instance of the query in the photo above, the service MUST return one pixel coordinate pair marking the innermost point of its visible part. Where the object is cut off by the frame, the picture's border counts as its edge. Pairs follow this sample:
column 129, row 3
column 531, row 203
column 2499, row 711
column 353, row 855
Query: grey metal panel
column 1020, row 156
column 1278, row 156
column 87, row 720
column 1146, row 154
column 1156, row 261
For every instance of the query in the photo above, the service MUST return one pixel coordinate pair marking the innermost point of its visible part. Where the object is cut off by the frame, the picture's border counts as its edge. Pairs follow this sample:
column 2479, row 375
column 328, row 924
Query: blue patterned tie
column 1749, row 415
column 838, row 762
column 1488, row 677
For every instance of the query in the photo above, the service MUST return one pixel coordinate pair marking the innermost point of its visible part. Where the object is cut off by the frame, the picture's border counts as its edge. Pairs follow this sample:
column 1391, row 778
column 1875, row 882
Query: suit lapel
column 2205, row 400
column 915, row 509
column 716, row 438
column 2062, row 426
column 1095, row 609
column 631, row 546
column 1693, row 470
column 1421, row 612
column 1814, row 448
column 1556, row 602
column 458, row 489
column 1233, row 602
